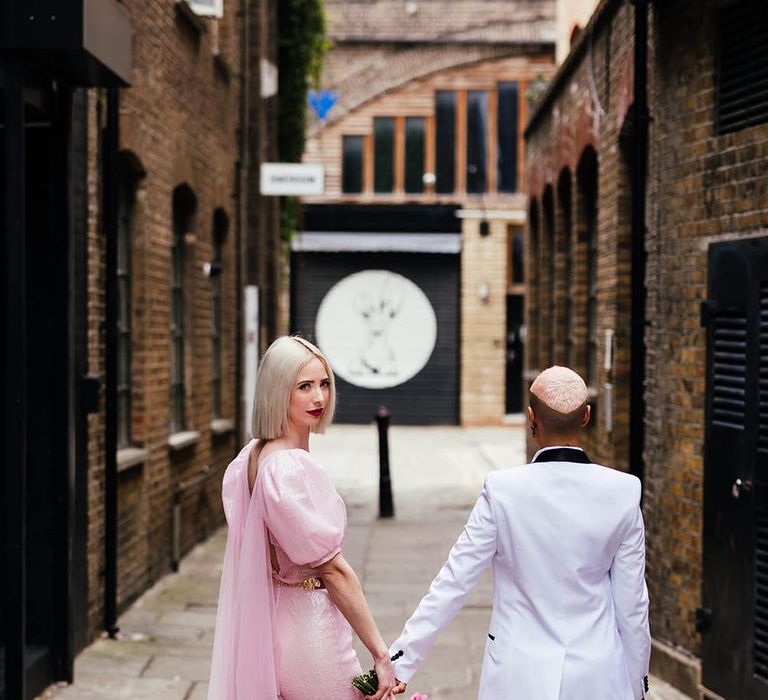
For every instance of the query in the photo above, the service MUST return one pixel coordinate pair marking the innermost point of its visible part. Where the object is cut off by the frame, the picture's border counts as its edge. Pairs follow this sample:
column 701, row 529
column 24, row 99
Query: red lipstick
column 315, row 412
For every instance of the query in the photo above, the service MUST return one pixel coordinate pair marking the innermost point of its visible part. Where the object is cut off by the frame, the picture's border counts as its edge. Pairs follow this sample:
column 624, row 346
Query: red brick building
column 676, row 367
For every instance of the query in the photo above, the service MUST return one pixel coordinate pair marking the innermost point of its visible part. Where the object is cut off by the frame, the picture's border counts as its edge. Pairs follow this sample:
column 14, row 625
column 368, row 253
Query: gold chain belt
column 313, row 583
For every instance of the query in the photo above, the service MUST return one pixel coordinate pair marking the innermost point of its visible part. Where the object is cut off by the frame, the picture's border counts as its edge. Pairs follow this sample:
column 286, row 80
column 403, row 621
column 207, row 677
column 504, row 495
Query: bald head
column 558, row 397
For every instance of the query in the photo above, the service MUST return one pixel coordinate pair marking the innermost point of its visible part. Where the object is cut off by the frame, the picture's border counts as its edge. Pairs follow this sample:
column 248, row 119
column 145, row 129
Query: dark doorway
column 734, row 618
column 41, row 639
column 514, row 356
column 47, row 395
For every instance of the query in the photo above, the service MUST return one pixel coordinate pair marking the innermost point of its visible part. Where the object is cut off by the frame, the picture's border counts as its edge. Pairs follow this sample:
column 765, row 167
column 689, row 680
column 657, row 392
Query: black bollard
column 386, row 507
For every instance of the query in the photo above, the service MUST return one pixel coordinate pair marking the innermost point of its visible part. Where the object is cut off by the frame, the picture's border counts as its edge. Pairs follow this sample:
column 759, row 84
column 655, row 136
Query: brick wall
column 586, row 117
column 702, row 188
column 490, row 20
column 178, row 126
column 483, row 321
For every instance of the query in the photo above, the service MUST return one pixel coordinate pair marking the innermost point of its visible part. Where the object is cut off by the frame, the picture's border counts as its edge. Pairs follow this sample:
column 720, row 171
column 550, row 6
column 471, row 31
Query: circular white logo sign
column 377, row 329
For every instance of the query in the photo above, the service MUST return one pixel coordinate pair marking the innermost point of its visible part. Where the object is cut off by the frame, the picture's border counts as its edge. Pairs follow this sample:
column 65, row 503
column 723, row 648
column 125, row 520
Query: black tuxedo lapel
column 563, row 454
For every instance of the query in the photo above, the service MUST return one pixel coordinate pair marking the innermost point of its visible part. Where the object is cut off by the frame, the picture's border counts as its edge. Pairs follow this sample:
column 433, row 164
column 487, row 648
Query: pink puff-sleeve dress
column 275, row 641
column 306, row 520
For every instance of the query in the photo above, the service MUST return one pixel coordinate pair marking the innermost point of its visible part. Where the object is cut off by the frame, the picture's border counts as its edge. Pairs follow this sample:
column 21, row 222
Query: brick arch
column 577, row 135
column 130, row 165
column 391, row 69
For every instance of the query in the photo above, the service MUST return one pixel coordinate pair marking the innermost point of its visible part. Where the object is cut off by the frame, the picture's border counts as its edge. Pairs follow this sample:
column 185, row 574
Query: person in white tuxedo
column 566, row 541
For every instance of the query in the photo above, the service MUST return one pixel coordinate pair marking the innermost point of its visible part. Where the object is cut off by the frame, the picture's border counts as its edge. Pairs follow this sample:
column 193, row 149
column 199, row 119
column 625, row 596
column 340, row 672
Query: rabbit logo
column 377, row 328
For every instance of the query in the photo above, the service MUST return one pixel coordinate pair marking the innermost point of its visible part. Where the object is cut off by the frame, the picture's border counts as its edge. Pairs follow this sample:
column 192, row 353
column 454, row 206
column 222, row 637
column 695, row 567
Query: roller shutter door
column 389, row 322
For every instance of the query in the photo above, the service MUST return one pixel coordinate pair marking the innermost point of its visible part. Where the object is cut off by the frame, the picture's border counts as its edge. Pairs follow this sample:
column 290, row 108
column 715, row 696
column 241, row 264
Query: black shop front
column 51, row 54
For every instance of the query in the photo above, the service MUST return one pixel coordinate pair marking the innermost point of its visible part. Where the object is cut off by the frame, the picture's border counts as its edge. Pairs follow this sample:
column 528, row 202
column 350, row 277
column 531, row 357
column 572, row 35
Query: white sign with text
column 292, row 179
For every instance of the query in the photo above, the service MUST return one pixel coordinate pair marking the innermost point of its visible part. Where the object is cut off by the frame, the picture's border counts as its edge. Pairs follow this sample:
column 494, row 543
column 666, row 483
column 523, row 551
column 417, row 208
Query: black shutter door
column 431, row 397
column 735, row 646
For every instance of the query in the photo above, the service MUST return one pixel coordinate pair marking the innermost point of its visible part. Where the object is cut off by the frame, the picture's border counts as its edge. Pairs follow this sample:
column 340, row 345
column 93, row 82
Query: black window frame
column 384, row 143
column 352, row 172
column 445, row 141
column 415, row 150
column 507, row 124
column 476, row 172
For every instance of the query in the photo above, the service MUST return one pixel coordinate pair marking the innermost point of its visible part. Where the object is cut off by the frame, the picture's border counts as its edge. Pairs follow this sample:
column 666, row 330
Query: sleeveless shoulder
column 304, row 512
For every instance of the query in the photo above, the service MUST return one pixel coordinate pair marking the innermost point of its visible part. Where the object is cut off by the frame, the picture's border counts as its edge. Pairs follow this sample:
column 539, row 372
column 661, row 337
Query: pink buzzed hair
column 560, row 389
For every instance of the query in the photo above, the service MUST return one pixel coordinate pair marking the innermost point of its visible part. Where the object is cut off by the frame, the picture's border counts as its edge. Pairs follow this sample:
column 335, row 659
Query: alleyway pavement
column 437, row 473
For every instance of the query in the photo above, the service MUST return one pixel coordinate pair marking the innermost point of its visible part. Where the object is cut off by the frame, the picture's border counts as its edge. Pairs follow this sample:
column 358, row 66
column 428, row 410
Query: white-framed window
column 207, row 8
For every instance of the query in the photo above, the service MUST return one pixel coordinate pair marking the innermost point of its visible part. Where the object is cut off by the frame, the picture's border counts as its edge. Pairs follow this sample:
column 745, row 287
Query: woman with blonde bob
column 289, row 600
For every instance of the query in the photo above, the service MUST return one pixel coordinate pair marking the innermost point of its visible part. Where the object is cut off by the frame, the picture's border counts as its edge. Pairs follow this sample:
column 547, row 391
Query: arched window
column 130, row 175
column 184, row 207
column 220, row 227
column 549, row 307
column 534, row 290
column 587, row 239
column 564, row 265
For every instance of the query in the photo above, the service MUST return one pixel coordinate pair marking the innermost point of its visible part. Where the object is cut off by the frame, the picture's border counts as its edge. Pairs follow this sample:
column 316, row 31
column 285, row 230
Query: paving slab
column 163, row 652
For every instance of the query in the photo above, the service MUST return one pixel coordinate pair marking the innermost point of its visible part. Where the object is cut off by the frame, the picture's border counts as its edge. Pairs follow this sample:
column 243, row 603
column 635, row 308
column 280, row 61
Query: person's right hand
column 386, row 675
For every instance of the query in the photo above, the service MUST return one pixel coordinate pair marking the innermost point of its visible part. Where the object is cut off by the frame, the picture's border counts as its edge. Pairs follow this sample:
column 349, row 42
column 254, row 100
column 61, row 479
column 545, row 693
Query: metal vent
column 742, row 89
column 729, row 371
column 762, row 420
column 761, row 597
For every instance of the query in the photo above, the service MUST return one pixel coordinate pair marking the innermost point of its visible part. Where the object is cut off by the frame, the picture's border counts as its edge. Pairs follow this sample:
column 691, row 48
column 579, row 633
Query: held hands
column 386, row 674
column 381, row 679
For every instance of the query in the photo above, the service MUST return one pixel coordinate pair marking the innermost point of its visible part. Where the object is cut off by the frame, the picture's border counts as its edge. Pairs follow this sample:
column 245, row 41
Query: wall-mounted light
column 484, row 292
column 428, row 179
column 212, row 268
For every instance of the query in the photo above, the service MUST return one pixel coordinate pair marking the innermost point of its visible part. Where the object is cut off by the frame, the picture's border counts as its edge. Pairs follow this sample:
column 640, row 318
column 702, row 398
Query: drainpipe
column 641, row 118
column 110, row 146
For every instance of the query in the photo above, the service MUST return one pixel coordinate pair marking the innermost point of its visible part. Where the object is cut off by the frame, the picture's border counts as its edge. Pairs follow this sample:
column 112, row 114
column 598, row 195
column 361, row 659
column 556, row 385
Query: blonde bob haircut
column 275, row 382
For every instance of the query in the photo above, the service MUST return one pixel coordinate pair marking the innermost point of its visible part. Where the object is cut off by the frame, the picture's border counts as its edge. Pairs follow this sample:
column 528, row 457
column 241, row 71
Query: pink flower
column 419, row 696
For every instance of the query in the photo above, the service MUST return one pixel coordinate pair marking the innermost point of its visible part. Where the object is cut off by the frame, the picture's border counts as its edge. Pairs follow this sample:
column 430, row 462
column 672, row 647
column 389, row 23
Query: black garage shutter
column 431, row 396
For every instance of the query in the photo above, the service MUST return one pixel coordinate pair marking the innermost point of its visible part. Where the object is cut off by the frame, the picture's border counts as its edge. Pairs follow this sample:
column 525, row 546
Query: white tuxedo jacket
column 570, row 605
